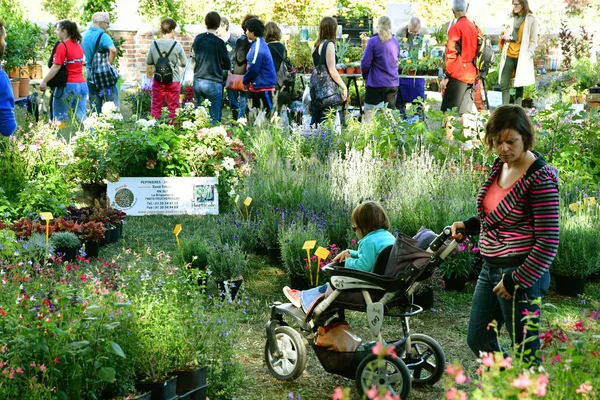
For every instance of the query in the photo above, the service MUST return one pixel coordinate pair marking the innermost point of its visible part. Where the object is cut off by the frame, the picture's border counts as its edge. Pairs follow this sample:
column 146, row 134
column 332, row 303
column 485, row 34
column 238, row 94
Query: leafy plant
column 194, row 252
column 91, row 231
column 227, row 261
column 292, row 236
column 64, row 240
column 460, row 262
column 353, row 54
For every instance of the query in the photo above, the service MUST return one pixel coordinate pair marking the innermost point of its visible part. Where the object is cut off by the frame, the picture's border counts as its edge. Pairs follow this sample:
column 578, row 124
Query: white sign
column 165, row 196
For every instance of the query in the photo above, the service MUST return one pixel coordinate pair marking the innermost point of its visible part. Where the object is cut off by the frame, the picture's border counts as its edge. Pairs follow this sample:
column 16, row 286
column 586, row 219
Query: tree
column 62, row 9
column 90, row 7
column 156, row 10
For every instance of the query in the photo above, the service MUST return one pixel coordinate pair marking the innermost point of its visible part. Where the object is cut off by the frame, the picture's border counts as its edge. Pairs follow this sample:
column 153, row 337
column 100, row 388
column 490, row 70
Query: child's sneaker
column 292, row 296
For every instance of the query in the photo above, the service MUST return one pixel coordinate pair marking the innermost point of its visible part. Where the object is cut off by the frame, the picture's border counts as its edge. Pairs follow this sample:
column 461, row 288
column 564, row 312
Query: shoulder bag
column 101, row 73
column 324, row 92
column 187, row 79
column 60, row 79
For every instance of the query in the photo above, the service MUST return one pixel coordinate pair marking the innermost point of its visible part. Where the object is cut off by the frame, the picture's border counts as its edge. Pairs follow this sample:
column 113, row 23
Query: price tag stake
column 176, row 233
column 247, row 203
column 237, row 198
column 322, row 253
column 47, row 216
column 308, row 246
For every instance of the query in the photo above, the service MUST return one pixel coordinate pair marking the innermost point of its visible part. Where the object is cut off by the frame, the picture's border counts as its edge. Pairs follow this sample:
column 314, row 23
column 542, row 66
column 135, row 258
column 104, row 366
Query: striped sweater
column 523, row 229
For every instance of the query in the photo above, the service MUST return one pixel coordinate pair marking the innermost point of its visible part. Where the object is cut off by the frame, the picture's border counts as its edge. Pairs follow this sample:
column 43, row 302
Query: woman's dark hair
column 2, row 30
column 327, row 31
column 212, row 20
column 272, row 32
column 256, row 26
column 167, row 25
column 524, row 7
column 71, row 28
column 370, row 216
column 509, row 117
column 247, row 18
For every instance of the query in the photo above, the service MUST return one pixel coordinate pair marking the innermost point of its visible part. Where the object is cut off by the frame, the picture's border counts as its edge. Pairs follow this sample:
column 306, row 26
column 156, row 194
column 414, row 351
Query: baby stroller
column 387, row 290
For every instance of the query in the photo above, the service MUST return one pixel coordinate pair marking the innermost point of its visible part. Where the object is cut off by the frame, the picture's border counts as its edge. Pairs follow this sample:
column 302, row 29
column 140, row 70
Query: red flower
column 83, row 278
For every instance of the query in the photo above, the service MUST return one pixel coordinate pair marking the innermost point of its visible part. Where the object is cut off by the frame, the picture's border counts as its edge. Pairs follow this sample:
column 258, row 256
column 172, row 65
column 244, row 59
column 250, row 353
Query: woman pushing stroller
column 371, row 225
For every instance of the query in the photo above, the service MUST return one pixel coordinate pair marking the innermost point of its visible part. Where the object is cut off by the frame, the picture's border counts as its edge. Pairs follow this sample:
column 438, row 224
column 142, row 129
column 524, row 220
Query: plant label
column 309, row 244
column 248, row 201
column 177, row 229
column 237, row 198
column 322, row 253
column 46, row 216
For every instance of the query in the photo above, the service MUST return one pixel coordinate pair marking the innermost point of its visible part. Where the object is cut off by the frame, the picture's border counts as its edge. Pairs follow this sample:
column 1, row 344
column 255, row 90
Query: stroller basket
column 343, row 363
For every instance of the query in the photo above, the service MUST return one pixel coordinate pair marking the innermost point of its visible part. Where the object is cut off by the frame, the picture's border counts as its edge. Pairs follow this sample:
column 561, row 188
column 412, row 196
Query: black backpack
column 485, row 55
column 162, row 68
column 286, row 74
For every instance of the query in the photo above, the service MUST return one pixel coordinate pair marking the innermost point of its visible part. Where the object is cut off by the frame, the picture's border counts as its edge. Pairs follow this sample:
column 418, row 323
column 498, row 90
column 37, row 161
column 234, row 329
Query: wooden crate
column 592, row 101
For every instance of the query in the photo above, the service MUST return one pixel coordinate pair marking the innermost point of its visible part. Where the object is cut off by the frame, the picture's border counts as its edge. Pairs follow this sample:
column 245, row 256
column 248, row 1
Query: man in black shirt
column 212, row 59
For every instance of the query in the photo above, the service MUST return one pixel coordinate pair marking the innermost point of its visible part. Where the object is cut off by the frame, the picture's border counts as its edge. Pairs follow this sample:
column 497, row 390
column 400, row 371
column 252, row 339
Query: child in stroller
column 371, row 225
column 386, row 290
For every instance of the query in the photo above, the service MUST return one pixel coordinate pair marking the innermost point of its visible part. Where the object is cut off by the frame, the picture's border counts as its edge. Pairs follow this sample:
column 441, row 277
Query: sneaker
column 292, row 296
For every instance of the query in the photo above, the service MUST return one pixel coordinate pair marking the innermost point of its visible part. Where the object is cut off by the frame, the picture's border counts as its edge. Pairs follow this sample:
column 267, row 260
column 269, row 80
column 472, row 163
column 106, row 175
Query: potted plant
column 228, row 264
column 89, row 148
column 194, row 253
column 529, row 95
column 352, row 59
column 65, row 244
column 268, row 231
column 91, row 233
column 458, row 266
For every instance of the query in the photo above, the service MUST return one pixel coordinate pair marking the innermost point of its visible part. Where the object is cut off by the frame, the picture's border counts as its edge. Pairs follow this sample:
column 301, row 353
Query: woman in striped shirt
column 517, row 220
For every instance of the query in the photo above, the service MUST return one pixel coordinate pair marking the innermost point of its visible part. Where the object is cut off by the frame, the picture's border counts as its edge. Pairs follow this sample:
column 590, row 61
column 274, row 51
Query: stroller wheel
column 425, row 359
column 389, row 373
column 292, row 362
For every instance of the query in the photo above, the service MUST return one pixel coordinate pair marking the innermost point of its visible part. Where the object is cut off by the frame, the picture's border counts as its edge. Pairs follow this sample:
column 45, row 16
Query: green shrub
column 227, row 261
column 292, row 236
column 64, row 240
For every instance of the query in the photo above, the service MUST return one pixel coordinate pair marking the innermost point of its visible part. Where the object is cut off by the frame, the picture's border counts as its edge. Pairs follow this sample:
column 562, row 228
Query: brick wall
column 135, row 48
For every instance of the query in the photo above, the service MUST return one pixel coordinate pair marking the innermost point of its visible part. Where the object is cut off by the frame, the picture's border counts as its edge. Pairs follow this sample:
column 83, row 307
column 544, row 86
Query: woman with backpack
column 167, row 56
column 279, row 55
column 72, row 92
column 518, row 45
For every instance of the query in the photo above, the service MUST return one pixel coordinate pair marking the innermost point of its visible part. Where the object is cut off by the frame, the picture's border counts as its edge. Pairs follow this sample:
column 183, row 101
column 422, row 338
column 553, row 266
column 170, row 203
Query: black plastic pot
column 527, row 103
column 92, row 192
column 189, row 382
column 456, row 284
column 234, row 287
column 299, row 282
column 569, row 285
column 424, row 299
column 68, row 253
column 274, row 256
column 92, row 248
column 162, row 390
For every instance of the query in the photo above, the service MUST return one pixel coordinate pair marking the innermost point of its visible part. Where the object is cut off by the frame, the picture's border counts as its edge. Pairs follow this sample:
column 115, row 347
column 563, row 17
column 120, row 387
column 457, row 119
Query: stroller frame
column 285, row 351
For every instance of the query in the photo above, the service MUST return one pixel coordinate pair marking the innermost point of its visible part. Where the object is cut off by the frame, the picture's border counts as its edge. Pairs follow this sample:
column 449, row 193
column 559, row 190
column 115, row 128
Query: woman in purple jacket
column 380, row 69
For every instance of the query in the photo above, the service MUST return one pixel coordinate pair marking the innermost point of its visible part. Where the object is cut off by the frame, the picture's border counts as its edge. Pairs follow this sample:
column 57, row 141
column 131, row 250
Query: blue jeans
column 213, row 92
column 72, row 97
column 307, row 297
column 100, row 96
column 487, row 306
column 233, row 99
column 242, row 104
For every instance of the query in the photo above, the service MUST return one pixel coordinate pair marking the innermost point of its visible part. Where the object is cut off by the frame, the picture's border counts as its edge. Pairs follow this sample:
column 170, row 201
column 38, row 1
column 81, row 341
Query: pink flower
column 378, row 348
column 451, row 394
column 540, row 389
column 584, row 388
column 460, row 378
column 557, row 358
column 19, row 370
column 4, row 348
column 43, row 367
column 338, row 394
column 33, row 364
column 450, row 369
column 12, row 374
column 522, row 382
column 507, row 363
column 488, row 359
column 372, row 393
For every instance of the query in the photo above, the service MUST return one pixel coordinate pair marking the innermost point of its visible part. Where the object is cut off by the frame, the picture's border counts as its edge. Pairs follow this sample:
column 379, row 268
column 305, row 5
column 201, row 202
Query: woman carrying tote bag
column 324, row 60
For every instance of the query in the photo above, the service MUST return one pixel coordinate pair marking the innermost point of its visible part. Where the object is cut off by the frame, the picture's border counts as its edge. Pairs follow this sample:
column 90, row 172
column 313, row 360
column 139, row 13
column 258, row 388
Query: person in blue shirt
column 8, row 124
column 260, row 78
column 100, row 24
column 371, row 225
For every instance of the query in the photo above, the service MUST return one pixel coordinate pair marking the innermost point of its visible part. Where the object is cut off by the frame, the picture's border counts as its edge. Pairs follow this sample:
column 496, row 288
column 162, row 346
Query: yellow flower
column 405, row 39
column 347, row 59
column 61, row 126
column 408, row 61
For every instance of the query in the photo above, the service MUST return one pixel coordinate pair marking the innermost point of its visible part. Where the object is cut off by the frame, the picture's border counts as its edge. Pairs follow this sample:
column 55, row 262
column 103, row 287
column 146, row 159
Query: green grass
column 446, row 322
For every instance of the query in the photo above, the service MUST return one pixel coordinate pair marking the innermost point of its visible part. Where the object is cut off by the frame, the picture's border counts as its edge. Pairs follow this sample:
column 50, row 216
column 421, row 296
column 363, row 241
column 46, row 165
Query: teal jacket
column 369, row 248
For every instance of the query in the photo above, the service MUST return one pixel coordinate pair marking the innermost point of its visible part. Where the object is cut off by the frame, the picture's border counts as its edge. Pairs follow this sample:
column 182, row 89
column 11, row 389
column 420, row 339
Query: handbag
column 337, row 336
column 187, row 79
column 324, row 92
column 102, row 74
column 235, row 82
column 60, row 79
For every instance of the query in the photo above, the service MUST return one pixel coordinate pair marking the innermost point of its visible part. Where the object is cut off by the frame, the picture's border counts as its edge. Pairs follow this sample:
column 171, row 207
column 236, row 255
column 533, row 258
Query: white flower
column 188, row 125
column 206, row 103
column 228, row 163
column 34, row 147
column 108, row 107
column 242, row 121
column 231, row 192
column 210, row 151
column 90, row 121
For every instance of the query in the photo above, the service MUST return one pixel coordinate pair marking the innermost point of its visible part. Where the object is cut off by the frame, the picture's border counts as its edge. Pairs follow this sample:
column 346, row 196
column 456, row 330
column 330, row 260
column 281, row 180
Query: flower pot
column 232, row 287
column 569, row 285
column 24, row 72
column 274, row 256
column 135, row 396
column 92, row 248
column 299, row 282
column 24, row 87
column 357, row 70
column 340, row 71
column 118, row 231
column 349, row 70
column 35, row 71
column 527, row 103
column 68, row 253
column 424, row 299
column 190, row 380
column 456, row 284
column 109, row 236
column 14, row 73
column 92, row 192
column 579, row 99
column 15, row 88
column 163, row 390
